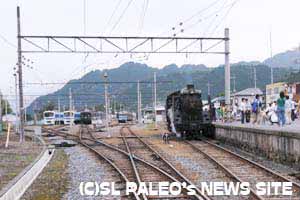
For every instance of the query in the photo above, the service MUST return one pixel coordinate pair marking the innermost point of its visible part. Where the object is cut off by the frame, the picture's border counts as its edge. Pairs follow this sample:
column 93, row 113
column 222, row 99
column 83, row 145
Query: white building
column 248, row 93
column 148, row 115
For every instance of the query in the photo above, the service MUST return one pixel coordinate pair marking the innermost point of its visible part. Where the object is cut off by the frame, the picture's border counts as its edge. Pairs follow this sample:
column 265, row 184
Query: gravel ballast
column 83, row 166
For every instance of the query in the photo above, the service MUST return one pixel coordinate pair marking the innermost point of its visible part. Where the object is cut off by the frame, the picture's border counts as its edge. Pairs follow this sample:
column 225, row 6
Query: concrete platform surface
column 292, row 128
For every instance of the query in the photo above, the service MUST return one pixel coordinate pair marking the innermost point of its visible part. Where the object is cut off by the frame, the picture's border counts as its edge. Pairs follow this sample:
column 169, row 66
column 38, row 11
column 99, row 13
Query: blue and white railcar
column 51, row 117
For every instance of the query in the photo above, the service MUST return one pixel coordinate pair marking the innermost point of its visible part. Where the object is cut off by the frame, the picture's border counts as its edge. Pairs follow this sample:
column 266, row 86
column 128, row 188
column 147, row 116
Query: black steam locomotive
column 185, row 114
column 85, row 117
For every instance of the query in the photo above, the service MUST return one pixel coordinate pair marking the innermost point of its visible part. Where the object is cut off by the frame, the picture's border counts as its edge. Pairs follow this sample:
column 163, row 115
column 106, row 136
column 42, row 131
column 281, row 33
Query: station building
column 291, row 90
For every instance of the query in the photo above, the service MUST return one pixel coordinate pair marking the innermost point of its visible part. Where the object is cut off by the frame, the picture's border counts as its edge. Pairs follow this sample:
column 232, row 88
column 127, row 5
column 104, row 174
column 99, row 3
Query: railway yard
column 136, row 153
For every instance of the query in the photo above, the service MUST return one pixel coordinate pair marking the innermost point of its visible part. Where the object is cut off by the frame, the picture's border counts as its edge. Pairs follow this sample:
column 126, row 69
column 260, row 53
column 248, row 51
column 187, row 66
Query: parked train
column 185, row 114
column 67, row 117
column 86, row 117
column 71, row 117
column 124, row 117
column 53, row 117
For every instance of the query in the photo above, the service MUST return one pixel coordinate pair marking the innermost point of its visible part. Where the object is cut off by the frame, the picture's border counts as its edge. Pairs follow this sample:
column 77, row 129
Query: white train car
column 51, row 117
column 71, row 117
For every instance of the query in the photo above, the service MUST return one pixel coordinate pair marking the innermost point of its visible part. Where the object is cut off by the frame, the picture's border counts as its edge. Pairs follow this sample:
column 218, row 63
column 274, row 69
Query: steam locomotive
column 185, row 115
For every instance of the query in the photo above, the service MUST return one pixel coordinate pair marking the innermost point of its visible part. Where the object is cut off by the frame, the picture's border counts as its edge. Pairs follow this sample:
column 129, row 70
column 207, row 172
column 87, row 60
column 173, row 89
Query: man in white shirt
column 288, row 110
column 242, row 108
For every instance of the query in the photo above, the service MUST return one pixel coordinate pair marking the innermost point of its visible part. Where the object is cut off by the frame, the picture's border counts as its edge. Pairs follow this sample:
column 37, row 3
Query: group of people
column 283, row 111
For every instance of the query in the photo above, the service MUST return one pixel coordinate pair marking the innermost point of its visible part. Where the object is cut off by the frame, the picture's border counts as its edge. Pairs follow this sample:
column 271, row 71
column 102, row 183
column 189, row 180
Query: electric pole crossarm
column 118, row 44
column 87, row 44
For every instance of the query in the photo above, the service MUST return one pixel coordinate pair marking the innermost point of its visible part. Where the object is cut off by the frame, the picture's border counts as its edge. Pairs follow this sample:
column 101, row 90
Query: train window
column 48, row 114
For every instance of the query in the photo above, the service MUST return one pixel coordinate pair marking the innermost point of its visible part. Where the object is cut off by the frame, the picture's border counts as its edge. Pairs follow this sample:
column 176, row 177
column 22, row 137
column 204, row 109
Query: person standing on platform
column 281, row 109
column 166, row 138
column 248, row 111
column 293, row 115
column 242, row 109
column 256, row 108
column 288, row 110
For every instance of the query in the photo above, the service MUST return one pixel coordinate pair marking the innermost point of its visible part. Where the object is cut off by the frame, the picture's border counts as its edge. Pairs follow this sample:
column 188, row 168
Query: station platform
column 294, row 127
column 281, row 144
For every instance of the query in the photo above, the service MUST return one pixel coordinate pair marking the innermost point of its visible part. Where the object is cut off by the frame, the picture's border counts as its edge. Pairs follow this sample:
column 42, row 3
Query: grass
column 52, row 183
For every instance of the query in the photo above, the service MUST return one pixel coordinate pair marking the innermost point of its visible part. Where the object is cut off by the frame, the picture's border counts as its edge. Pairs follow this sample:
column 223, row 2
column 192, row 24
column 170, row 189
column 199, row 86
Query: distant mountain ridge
column 289, row 58
column 88, row 91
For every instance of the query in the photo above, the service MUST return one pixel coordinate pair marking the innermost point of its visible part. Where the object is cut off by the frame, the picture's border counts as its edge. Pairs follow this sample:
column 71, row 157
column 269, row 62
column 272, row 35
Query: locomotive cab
column 185, row 114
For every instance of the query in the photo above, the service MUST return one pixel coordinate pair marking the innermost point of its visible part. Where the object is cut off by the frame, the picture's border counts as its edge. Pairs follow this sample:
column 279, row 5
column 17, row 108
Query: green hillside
column 89, row 90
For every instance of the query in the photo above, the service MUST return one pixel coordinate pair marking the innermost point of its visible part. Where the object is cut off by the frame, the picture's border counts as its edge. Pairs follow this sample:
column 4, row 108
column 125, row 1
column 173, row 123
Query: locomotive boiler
column 185, row 114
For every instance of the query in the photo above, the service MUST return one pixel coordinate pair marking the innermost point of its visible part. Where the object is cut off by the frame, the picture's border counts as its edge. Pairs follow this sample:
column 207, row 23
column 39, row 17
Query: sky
column 250, row 23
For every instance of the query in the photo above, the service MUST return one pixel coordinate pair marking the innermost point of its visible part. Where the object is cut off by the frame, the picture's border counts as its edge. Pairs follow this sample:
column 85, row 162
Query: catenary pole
column 227, row 68
column 106, row 103
column 138, row 102
column 17, row 105
column 70, row 107
column 0, row 112
column 154, row 106
column 21, row 103
column 255, row 78
column 271, row 55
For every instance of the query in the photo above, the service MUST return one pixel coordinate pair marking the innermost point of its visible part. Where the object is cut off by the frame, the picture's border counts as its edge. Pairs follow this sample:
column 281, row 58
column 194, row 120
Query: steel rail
column 107, row 160
column 169, row 165
column 272, row 172
column 133, row 164
column 155, row 167
column 113, row 147
column 225, row 169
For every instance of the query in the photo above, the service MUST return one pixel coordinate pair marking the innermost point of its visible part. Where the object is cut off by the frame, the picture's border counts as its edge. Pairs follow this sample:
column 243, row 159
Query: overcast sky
column 250, row 23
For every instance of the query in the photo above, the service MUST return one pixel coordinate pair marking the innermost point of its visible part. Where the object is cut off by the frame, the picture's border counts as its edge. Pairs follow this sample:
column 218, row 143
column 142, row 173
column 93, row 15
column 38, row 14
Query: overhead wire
column 143, row 14
column 7, row 41
column 215, row 17
column 225, row 16
column 121, row 16
column 112, row 15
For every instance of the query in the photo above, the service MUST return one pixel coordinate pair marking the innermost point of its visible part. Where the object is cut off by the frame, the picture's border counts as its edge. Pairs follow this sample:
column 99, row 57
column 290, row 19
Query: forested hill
column 89, row 90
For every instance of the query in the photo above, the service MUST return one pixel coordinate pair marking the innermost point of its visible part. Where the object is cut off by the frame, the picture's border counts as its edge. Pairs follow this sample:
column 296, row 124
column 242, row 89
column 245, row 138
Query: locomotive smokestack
column 190, row 86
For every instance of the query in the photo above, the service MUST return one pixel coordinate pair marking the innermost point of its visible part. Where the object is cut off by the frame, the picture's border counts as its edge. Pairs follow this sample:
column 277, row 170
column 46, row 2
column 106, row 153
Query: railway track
column 243, row 169
column 143, row 168
column 136, row 160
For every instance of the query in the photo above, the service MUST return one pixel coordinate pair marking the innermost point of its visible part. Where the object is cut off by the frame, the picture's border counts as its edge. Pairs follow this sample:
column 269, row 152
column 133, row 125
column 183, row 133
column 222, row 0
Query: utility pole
column 139, row 102
column 154, row 105
column 58, row 104
column 5, row 103
column 1, row 112
column 271, row 56
column 25, row 115
column 34, row 116
column 58, row 107
column 227, row 68
column 234, row 88
column 17, row 107
column 106, row 103
column 208, row 88
column 255, row 79
column 70, row 108
column 21, row 103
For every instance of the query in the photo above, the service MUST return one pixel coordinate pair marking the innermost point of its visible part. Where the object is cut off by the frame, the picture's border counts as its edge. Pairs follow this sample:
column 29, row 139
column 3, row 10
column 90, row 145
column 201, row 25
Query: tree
column 99, row 107
column 5, row 106
column 49, row 106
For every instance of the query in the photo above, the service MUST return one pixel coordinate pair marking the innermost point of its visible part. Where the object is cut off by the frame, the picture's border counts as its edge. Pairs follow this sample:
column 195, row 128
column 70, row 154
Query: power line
column 8, row 42
column 91, row 82
column 216, row 16
column 225, row 16
column 144, row 10
column 121, row 16
column 112, row 15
